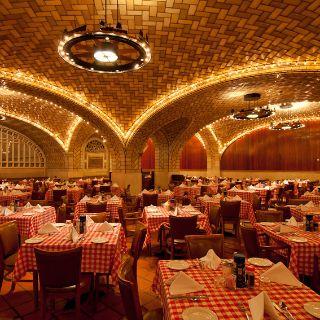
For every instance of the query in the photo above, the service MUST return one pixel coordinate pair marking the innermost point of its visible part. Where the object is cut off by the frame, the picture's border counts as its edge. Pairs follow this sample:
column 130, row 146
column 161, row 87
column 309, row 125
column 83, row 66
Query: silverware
column 243, row 309
column 285, row 310
column 192, row 298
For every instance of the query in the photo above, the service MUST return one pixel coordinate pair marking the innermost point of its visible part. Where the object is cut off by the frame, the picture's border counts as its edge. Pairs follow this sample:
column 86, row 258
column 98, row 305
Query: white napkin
column 85, row 199
column 292, row 222
column 28, row 205
column 39, row 208
column 217, row 196
column 234, row 188
column 307, row 193
column 260, row 305
column 206, row 197
column 7, row 212
column 279, row 273
column 182, row 185
column 168, row 192
column 115, row 198
column 89, row 221
column 48, row 228
column 175, row 212
column 144, row 191
column 74, row 235
column 211, row 260
column 251, row 188
column 115, row 185
column 183, row 284
column 105, row 227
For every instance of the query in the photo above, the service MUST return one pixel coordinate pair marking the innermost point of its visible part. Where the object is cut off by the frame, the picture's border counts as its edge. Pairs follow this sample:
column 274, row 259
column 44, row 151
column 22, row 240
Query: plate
column 99, row 240
column 28, row 214
column 298, row 239
column 34, row 240
column 267, row 224
column 313, row 308
column 178, row 265
column 114, row 224
column 197, row 313
column 260, row 262
column 59, row 224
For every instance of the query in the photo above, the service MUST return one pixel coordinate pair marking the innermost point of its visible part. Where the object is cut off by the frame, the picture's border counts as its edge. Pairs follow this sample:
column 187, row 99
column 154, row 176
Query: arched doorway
column 148, row 165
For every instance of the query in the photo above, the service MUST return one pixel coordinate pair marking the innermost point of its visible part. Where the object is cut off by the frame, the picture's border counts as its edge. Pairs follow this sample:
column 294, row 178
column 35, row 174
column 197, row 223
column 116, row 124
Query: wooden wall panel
column 148, row 156
column 194, row 156
column 297, row 150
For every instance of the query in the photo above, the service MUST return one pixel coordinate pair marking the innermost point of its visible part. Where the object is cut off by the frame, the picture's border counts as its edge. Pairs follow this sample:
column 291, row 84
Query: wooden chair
column 130, row 295
column 41, row 202
column 129, row 220
column 297, row 202
column 215, row 219
column 198, row 245
column 57, row 196
column 254, row 248
column 269, row 216
column 100, row 217
column 105, row 189
column 96, row 207
column 230, row 213
column 60, row 276
column 315, row 281
column 149, row 199
column 178, row 228
column 256, row 202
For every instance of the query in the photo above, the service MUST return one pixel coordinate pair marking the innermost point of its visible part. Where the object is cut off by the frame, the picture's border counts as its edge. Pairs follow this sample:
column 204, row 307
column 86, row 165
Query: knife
column 287, row 314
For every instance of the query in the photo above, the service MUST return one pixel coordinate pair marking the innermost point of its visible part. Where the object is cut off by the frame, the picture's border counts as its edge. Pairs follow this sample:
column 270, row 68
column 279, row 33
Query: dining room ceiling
column 205, row 56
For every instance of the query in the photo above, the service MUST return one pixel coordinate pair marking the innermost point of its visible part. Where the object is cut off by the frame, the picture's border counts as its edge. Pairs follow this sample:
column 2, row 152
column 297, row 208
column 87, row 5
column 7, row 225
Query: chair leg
column 13, row 286
column 43, row 305
column 77, row 304
column 35, row 290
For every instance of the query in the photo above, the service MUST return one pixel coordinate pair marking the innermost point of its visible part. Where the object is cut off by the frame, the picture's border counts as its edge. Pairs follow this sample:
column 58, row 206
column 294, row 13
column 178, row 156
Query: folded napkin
column 85, row 198
column 307, row 193
column 235, row 198
column 279, row 273
column 194, row 186
column 105, row 227
column 6, row 211
column 89, row 221
column 282, row 228
column 182, row 185
column 211, row 260
column 28, row 205
column 175, row 212
column 168, row 192
column 115, row 185
column 39, row 208
column 199, row 184
column 310, row 204
column 206, row 197
column 48, row 228
column 292, row 222
column 260, row 305
column 217, row 196
column 74, row 236
column 115, row 197
column 234, row 188
column 251, row 188
column 144, row 191
column 182, row 284
column 224, row 182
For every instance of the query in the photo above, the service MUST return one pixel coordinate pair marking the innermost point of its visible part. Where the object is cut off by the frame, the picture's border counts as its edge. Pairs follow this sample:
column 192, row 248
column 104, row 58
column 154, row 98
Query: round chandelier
column 290, row 125
column 252, row 112
column 107, row 50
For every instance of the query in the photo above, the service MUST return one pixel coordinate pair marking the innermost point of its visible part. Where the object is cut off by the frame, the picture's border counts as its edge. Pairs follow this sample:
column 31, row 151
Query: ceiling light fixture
column 2, row 117
column 107, row 50
column 290, row 125
column 252, row 112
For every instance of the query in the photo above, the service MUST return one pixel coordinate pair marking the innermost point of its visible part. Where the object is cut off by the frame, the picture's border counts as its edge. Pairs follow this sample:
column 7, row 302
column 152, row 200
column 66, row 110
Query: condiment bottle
column 240, row 270
column 250, row 276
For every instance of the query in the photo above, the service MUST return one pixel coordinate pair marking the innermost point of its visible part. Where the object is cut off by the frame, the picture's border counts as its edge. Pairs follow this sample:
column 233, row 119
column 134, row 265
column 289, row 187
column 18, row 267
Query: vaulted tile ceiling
column 205, row 56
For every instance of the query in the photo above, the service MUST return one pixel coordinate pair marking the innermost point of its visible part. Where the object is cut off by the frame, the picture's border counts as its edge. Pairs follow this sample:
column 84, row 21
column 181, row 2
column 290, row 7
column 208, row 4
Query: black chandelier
column 107, row 50
column 252, row 112
column 288, row 125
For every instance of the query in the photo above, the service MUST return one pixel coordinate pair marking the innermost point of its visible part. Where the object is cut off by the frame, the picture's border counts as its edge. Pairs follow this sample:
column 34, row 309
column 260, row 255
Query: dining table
column 299, row 212
column 30, row 220
column 162, row 196
column 113, row 203
column 73, row 194
column 246, row 195
column 102, row 258
column 303, row 246
column 7, row 197
column 191, row 191
column 315, row 198
column 226, row 303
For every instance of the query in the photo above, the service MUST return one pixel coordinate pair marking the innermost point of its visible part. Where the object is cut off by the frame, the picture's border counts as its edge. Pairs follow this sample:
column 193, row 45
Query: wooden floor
column 19, row 305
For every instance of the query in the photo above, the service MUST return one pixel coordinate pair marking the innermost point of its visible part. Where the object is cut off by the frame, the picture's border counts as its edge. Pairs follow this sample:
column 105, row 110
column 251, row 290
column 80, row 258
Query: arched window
column 193, row 156
column 95, row 155
column 18, row 151
column 148, row 156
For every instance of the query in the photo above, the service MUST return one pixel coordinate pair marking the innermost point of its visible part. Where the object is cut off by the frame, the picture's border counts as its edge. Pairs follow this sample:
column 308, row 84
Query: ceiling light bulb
column 252, row 116
column 106, row 54
column 287, row 127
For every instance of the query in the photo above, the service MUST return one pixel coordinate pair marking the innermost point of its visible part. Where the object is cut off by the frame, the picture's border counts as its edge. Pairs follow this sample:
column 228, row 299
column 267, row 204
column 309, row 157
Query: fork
column 243, row 309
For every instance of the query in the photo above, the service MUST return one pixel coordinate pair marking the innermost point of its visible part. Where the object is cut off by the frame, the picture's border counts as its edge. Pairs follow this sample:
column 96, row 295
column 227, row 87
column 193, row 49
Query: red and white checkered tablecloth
column 100, row 258
column 191, row 191
column 299, row 214
column 74, row 195
column 213, row 189
column 29, row 225
column 301, row 256
column 162, row 197
column 6, row 199
column 246, row 209
column 222, row 301
column 154, row 221
column 243, row 194
column 112, row 206
column 314, row 198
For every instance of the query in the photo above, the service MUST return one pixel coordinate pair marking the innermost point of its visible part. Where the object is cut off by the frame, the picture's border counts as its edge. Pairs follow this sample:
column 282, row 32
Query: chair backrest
column 185, row 201
column 256, row 202
column 9, row 238
column 215, row 216
column 105, row 189
column 269, row 216
column 57, row 194
column 122, row 220
column 58, row 269
column 315, row 283
column 198, row 245
column 250, row 239
column 96, row 207
column 297, row 201
column 99, row 217
column 230, row 210
column 285, row 210
column 62, row 213
column 203, row 190
column 129, row 290
column 41, row 202
column 150, row 199
column 137, row 243
column 182, row 226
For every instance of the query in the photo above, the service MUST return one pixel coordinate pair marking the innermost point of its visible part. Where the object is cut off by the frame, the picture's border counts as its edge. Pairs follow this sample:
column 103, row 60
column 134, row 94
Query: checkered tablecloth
column 222, row 301
column 301, row 257
column 191, row 191
column 112, row 206
column 162, row 197
column 246, row 209
column 153, row 220
column 314, row 198
column 100, row 258
column 299, row 214
column 29, row 225
column 73, row 195
column 243, row 194
column 6, row 199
